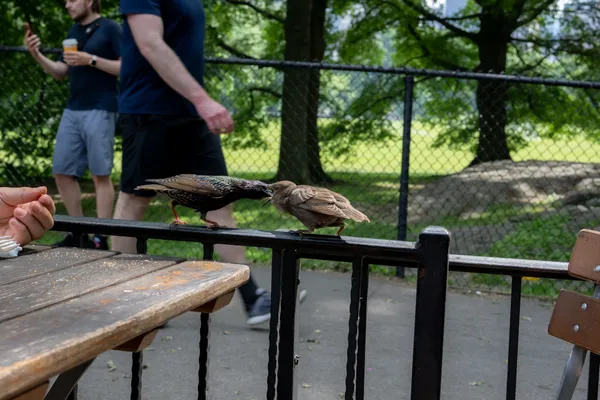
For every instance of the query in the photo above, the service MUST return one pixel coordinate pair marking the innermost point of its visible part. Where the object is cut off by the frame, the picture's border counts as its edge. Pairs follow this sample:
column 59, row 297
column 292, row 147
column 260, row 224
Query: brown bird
column 205, row 193
column 315, row 207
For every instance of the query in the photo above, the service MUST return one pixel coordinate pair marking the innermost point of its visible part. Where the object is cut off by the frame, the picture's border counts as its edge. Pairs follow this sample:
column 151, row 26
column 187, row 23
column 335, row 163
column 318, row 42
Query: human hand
column 77, row 58
column 215, row 115
column 32, row 42
column 25, row 213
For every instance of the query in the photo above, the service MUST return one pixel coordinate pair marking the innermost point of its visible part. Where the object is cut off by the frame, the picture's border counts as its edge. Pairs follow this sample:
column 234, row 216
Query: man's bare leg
column 105, row 196
column 228, row 253
column 129, row 207
column 234, row 254
column 70, row 193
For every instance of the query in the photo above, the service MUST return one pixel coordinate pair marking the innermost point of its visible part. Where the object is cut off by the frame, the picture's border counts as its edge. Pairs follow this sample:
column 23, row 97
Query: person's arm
column 147, row 30
column 81, row 58
column 58, row 70
column 110, row 66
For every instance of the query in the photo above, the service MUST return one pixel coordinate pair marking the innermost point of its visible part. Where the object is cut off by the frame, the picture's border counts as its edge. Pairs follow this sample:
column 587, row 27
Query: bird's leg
column 177, row 220
column 210, row 224
column 342, row 226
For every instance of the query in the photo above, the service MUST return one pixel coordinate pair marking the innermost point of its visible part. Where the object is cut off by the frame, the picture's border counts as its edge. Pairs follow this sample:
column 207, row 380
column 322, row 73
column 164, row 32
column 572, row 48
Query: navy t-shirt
column 90, row 87
column 143, row 91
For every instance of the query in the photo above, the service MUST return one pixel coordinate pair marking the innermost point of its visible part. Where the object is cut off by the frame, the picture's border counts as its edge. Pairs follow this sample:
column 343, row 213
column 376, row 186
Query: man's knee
column 131, row 207
column 101, row 179
column 62, row 178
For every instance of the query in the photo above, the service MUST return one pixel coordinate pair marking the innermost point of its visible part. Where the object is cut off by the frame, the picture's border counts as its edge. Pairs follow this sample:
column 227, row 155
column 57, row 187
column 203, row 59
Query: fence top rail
column 510, row 266
column 377, row 251
column 344, row 247
column 407, row 71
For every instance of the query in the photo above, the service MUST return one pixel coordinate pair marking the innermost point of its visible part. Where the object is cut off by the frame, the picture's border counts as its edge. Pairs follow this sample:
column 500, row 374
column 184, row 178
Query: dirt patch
column 477, row 188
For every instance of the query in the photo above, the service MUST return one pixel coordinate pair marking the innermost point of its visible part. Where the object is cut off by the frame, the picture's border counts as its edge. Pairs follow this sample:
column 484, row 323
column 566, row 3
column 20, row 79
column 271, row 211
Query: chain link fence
column 509, row 165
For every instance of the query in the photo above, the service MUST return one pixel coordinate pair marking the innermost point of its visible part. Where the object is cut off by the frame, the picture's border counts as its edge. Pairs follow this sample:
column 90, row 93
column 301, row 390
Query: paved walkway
column 475, row 349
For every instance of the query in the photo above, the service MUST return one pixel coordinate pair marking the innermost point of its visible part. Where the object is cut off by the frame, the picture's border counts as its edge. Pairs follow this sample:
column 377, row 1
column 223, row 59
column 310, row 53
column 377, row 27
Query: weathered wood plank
column 585, row 257
column 40, row 345
column 576, row 319
column 34, row 248
column 138, row 343
column 28, row 295
column 216, row 304
column 37, row 393
column 36, row 263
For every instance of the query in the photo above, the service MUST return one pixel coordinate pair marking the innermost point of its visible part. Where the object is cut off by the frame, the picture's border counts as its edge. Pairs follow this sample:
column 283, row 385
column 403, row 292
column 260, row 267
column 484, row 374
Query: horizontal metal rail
column 385, row 252
column 324, row 247
column 369, row 68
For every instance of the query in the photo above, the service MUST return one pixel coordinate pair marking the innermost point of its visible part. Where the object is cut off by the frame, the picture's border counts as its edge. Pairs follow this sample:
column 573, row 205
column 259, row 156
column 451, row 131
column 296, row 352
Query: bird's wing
column 347, row 208
column 316, row 199
column 200, row 184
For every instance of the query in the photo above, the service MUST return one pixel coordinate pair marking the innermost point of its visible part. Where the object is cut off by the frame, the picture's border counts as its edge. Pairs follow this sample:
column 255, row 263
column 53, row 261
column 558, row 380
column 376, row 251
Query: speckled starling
column 205, row 193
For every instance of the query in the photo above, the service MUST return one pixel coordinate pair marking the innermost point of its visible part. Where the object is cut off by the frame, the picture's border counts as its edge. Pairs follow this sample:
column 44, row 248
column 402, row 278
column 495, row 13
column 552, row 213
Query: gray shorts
column 85, row 139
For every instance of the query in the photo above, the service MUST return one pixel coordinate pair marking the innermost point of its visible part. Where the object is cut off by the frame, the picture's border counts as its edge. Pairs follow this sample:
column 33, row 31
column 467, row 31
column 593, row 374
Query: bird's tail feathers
column 356, row 215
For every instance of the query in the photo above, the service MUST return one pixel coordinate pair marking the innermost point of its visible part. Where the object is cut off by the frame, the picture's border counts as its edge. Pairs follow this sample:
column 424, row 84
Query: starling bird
column 315, row 207
column 205, row 193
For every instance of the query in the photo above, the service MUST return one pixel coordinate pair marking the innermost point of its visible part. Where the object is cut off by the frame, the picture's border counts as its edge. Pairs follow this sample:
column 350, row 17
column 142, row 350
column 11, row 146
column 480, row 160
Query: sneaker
column 70, row 241
column 261, row 309
column 99, row 242
column 302, row 296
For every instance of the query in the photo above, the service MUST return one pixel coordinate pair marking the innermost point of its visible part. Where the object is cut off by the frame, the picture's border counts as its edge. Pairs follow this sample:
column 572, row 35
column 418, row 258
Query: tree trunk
column 491, row 95
column 293, row 150
column 317, row 51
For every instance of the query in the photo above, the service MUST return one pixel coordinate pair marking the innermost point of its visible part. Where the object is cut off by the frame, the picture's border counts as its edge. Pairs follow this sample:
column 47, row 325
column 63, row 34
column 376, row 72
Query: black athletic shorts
column 158, row 146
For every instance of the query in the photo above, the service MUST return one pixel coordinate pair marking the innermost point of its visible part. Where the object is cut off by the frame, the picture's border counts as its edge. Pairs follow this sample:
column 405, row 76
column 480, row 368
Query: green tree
column 491, row 36
column 293, row 31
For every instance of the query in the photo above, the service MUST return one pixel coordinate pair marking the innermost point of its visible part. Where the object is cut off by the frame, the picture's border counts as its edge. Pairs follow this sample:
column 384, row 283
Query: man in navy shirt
column 86, row 132
column 170, row 124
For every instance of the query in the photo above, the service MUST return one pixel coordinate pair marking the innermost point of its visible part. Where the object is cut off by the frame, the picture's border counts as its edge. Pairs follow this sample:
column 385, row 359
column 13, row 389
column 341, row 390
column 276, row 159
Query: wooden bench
column 62, row 307
column 576, row 317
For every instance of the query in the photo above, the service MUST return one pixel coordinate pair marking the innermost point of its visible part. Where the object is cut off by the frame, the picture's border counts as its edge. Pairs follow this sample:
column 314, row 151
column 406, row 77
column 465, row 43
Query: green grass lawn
column 369, row 177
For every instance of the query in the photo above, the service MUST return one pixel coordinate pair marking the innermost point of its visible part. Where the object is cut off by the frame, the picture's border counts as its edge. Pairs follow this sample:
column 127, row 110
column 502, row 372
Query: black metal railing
column 429, row 255
column 389, row 116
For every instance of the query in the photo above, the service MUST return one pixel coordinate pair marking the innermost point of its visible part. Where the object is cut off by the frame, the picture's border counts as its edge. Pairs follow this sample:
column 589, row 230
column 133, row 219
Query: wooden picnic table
column 62, row 307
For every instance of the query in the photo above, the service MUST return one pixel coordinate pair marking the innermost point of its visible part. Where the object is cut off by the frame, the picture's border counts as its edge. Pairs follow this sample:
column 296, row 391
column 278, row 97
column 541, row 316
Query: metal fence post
column 430, row 313
column 209, row 250
column 287, row 359
column 137, row 358
column 409, row 82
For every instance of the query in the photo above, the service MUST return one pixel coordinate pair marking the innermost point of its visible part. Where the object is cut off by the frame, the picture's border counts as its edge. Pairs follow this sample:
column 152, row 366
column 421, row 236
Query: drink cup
column 70, row 45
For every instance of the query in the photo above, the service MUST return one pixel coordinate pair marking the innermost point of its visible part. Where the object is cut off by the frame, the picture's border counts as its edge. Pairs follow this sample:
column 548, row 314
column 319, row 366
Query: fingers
column 41, row 214
column 33, row 42
column 15, row 196
column 47, row 202
column 228, row 123
column 36, row 221
column 71, row 58
column 210, row 122
column 20, row 232
column 222, row 123
column 217, row 118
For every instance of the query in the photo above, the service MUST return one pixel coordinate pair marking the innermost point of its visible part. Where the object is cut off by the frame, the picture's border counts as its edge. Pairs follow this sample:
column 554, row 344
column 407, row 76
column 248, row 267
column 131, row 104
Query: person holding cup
column 91, row 60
